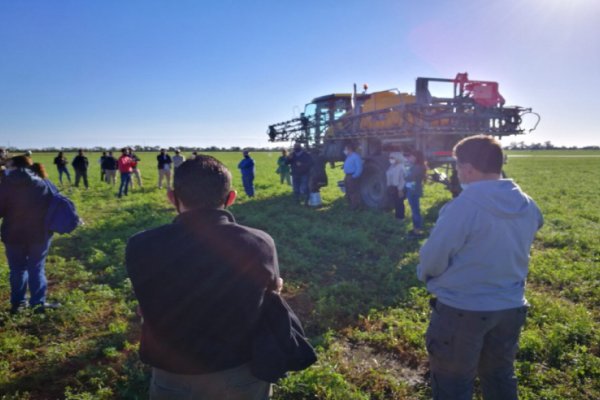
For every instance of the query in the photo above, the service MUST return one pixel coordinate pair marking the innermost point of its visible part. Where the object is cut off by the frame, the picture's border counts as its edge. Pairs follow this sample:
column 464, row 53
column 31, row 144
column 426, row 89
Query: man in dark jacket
column 80, row 165
column 164, row 163
column 24, row 200
column 301, row 163
column 200, row 282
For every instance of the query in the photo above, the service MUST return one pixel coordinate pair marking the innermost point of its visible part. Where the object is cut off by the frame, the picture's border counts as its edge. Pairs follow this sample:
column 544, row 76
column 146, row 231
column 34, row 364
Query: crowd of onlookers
column 298, row 168
column 213, row 322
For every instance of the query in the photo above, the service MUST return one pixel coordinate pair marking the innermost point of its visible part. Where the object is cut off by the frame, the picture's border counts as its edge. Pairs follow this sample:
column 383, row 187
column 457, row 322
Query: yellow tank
column 386, row 100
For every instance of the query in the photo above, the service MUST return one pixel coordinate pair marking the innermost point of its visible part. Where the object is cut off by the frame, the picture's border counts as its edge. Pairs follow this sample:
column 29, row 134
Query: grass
column 350, row 276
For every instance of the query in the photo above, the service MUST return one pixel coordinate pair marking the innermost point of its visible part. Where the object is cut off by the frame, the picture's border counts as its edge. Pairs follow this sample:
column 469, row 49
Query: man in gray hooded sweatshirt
column 475, row 263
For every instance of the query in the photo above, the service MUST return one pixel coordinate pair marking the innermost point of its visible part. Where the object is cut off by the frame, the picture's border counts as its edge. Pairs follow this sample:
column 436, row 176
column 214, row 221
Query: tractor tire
column 373, row 184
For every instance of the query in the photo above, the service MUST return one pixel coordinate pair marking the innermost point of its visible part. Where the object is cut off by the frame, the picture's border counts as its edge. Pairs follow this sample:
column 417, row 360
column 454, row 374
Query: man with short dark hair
column 80, row 165
column 200, row 282
column 301, row 163
column 475, row 262
column 164, row 168
column 246, row 167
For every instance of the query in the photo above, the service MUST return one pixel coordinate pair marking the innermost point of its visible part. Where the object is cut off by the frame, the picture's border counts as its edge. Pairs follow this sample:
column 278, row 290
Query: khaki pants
column 164, row 174
column 138, row 178
column 111, row 176
column 232, row 384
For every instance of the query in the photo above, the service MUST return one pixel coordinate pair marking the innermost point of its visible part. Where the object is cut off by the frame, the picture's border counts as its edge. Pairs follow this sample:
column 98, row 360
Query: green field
column 349, row 275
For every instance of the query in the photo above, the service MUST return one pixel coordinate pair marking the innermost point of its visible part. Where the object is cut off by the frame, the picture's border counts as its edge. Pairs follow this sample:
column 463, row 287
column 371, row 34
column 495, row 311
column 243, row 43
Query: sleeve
column 3, row 199
column 446, row 239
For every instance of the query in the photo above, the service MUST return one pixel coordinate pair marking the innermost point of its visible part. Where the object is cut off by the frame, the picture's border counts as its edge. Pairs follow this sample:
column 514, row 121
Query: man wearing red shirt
column 125, row 167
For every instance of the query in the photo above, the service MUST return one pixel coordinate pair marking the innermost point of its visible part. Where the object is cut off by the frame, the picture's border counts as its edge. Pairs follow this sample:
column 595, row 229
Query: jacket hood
column 20, row 177
column 503, row 198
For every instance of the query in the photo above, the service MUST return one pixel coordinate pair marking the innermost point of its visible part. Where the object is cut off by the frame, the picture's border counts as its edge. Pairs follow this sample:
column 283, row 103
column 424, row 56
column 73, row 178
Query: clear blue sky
column 90, row 72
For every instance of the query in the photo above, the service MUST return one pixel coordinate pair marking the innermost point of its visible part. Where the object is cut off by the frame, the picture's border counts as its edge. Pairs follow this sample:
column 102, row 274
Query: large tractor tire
column 373, row 184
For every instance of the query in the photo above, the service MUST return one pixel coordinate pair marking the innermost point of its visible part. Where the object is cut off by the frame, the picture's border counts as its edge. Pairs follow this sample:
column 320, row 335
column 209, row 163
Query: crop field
column 350, row 276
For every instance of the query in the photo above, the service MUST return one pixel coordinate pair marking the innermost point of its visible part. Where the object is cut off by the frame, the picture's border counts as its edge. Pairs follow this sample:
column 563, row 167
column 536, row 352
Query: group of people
column 198, row 324
column 298, row 169
column 404, row 177
column 127, row 165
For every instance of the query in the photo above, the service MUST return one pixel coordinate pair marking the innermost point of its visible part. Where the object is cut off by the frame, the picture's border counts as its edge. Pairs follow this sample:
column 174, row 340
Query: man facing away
column 80, row 165
column 109, row 165
column 353, row 167
column 200, row 283
column 475, row 262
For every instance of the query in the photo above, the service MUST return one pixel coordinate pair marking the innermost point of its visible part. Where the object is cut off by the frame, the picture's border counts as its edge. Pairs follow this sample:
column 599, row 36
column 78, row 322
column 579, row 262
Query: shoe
column 41, row 308
column 17, row 308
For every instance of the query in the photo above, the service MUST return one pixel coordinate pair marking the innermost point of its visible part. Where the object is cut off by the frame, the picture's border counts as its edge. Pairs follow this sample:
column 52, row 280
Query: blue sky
column 88, row 72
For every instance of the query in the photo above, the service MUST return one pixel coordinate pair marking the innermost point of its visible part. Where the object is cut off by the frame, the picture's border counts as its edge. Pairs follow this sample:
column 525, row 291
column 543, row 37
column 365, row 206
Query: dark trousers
column 396, row 197
column 27, row 263
column 415, row 208
column 248, row 181
column 81, row 174
column 463, row 344
column 353, row 191
column 300, row 187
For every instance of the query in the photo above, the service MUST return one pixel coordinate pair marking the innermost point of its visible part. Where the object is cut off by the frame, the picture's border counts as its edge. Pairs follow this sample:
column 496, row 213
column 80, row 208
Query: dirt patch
column 361, row 358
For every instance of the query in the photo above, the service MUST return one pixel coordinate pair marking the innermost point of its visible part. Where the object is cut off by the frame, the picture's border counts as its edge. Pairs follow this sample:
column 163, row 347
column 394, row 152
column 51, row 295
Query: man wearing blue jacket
column 353, row 167
column 246, row 167
column 475, row 263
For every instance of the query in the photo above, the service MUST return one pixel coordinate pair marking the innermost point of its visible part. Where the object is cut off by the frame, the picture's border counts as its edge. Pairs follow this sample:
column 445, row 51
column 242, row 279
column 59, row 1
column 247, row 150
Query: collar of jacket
column 218, row 216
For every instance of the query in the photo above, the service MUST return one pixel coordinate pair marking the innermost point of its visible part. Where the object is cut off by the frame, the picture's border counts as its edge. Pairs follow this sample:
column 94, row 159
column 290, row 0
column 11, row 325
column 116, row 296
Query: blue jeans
column 300, row 187
column 27, row 267
column 415, row 208
column 63, row 170
column 463, row 344
column 125, row 179
column 248, row 182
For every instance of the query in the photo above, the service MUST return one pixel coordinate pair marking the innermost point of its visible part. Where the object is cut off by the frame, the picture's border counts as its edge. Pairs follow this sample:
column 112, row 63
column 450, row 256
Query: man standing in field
column 178, row 159
column 125, row 165
column 301, row 164
column 200, row 282
column 135, row 169
column 164, row 168
column 353, row 166
column 246, row 167
column 475, row 262
column 80, row 165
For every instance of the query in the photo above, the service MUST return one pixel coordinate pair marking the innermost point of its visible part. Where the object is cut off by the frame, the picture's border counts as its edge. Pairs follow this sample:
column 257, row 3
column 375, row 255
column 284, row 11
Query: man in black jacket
column 200, row 282
column 301, row 163
column 80, row 165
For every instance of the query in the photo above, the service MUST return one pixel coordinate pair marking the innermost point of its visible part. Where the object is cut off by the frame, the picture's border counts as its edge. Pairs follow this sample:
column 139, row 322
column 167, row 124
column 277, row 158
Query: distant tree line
column 187, row 149
column 547, row 145
column 137, row 148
